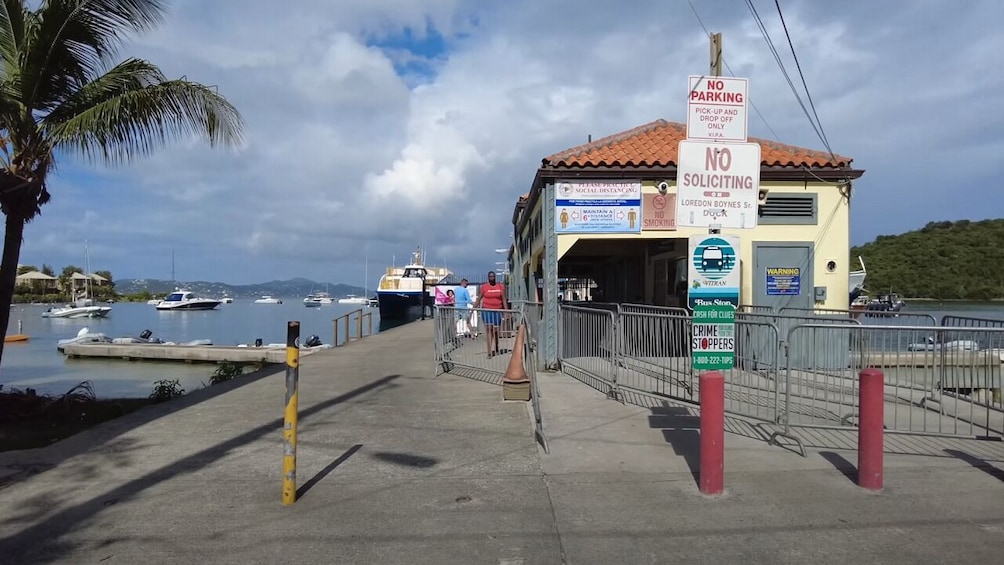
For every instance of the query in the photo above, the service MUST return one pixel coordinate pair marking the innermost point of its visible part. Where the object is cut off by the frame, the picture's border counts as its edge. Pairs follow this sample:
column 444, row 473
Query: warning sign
column 784, row 281
column 713, row 343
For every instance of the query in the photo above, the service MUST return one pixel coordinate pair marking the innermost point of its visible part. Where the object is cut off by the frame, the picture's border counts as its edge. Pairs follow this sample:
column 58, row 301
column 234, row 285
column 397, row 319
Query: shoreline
column 954, row 300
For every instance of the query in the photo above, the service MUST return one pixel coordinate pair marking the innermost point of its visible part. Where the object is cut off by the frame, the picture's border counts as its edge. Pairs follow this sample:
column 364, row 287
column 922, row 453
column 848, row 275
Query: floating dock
column 186, row 353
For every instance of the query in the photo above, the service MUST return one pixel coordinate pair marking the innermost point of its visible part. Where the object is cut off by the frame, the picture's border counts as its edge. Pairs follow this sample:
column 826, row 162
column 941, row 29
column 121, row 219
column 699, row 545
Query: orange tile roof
column 655, row 145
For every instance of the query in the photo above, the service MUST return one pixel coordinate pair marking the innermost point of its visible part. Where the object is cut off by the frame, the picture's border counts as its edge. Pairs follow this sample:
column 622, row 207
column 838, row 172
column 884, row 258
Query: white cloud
column 353, row 152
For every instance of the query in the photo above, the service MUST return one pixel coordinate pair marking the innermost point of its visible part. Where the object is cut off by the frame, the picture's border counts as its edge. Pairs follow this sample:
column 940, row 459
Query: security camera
column 663, row 187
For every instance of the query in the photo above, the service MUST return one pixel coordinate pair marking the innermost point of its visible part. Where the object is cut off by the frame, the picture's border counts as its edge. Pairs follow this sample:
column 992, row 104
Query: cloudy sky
column 378, row 125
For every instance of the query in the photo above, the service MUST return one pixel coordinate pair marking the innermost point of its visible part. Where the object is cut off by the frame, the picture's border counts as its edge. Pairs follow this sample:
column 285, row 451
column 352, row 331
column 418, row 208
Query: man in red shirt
column 492, row 297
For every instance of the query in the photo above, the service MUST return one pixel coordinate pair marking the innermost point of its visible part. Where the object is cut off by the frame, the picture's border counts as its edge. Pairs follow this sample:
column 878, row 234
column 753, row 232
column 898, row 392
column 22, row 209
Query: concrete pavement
column 396, row 466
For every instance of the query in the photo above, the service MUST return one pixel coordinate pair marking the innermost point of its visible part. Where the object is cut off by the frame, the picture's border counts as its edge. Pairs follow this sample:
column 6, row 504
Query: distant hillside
column 292, row 288
column 944, row 260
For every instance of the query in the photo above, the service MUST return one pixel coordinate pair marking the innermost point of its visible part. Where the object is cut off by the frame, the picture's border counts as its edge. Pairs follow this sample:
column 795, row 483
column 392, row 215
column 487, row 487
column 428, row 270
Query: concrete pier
column 395, row 466
column 188, row 353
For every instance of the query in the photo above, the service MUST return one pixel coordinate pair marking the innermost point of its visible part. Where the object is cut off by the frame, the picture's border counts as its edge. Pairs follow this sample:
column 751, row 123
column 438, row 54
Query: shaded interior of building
column 652, row 271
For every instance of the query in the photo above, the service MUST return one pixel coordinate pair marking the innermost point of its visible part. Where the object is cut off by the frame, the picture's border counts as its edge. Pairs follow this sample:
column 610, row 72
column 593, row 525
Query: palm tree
column 64, row 91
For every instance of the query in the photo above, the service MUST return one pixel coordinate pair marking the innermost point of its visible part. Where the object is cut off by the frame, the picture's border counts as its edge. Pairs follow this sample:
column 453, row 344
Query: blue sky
column 375, row 126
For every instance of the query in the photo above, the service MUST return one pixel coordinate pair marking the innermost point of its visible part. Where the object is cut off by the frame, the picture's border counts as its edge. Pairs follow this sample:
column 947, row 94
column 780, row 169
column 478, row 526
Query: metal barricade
column 766, row 342
column 462, row 341
column 866, row 317
column 968, row 322
column 932, row 386
column 588, row 346
column 652, row 309
column 753, row 309
column 656, row 353
column 530, row 361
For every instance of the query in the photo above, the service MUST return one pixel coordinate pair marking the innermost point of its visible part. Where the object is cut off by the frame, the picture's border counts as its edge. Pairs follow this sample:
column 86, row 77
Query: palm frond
column 72, row 40
column 119, row 117
column 11, row 36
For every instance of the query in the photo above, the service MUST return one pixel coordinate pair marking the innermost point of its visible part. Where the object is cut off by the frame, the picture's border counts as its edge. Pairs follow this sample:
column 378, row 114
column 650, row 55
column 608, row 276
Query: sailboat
column 361, row 300
column 82, row 306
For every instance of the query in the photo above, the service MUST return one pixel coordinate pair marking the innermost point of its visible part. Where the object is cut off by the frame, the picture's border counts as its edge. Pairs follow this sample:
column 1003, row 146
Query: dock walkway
column 398, row 466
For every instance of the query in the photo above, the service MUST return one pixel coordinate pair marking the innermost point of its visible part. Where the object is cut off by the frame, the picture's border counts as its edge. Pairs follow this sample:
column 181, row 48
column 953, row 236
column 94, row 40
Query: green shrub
column 165, row 390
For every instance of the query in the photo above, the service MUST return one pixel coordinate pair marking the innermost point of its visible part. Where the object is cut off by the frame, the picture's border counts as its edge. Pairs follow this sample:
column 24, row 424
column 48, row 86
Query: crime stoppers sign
column 718, row 184
column 713, row 343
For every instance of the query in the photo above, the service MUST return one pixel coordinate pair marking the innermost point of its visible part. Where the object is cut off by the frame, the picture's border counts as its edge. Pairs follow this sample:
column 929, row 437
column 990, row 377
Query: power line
column 798, row 66
column 728, row 68
column 780, row 64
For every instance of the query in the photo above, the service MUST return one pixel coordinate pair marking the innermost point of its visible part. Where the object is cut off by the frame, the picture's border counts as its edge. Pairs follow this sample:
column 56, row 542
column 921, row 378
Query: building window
column 800, row 209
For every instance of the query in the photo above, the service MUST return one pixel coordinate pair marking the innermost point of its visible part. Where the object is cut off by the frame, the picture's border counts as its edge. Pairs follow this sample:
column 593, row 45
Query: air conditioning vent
column 788, row 209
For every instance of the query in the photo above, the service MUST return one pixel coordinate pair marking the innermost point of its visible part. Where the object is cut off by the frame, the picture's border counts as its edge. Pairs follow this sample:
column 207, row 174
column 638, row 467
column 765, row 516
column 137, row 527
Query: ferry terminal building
column 803, row 226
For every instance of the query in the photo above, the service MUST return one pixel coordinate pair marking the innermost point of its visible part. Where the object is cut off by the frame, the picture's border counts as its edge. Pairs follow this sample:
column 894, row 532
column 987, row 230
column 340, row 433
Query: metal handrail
column 345, row 319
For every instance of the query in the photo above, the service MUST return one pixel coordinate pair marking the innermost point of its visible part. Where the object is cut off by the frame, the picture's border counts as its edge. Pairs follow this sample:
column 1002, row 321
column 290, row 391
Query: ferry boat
column 404, row 292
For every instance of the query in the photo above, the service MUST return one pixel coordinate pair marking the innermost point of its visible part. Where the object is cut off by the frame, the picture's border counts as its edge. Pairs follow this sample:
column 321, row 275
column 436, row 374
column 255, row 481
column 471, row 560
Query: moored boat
column 186, row 300
column 405, row 292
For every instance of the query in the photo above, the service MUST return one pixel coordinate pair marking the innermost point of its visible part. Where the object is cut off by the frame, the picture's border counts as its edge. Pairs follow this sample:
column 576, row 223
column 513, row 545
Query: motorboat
column 856, row 281
column 83, row 337
column 315, row 299
column 313, row 342
column 154, row 301
column 353, row 299
column 954, row 345
column 186, row 300
column 146, row 336
column 407, row 291
column 80, row 308
column 885, row 303
column 226, row 300
column 267, row 299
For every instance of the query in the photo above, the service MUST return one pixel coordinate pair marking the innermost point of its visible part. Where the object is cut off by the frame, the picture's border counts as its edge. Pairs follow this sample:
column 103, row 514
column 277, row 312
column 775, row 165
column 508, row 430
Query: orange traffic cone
column 515, row 383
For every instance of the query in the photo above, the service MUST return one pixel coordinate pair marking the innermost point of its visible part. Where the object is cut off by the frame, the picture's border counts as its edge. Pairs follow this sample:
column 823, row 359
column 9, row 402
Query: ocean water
column 37, row 363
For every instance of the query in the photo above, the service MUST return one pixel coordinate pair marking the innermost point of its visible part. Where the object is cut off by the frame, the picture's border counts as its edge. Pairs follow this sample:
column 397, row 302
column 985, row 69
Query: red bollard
column 871, row 421
column 712, row 458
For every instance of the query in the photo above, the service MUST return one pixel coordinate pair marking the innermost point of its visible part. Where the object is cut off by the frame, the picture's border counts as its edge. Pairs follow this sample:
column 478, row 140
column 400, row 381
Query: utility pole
column 716, row 71
column 716, row 55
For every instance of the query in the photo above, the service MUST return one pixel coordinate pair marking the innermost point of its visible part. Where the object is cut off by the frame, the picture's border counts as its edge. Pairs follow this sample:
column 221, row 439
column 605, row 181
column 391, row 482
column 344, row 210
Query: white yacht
column 405, row 292
column 315, row 299
column 81, row 308
column 353, row 299
column 267, row 299
column 186, row 300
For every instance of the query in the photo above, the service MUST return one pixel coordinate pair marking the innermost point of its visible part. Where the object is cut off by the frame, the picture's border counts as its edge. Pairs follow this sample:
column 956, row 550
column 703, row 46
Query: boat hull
column 80, row 312
column 403, row 305
column 191, row 306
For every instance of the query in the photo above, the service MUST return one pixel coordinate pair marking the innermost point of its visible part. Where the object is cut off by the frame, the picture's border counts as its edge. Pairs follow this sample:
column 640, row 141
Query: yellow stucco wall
column 830, row 235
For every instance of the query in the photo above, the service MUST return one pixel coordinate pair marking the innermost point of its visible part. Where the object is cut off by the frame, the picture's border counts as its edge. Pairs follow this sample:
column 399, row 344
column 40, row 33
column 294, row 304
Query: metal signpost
column 717, row 186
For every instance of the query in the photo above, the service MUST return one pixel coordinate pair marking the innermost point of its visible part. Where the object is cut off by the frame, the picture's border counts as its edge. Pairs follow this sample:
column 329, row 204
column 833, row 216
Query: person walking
column 463, row 303
column 492, row 299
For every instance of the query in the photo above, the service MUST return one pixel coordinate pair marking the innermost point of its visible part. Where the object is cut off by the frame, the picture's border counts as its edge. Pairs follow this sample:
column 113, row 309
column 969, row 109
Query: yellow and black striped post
column 290, row 415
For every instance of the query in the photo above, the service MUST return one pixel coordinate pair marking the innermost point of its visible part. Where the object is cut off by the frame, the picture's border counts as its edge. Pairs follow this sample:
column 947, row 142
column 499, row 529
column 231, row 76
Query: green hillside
column 945, row 260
